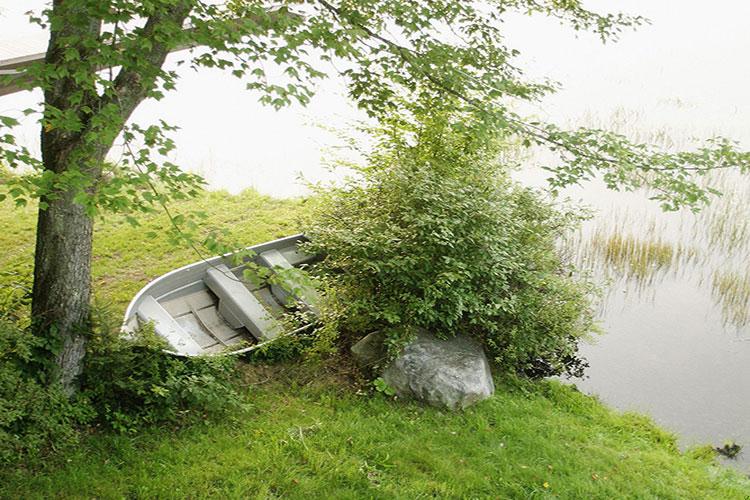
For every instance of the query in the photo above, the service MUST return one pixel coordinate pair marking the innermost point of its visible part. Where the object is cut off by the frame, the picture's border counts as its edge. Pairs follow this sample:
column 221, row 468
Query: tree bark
column 62, row 287
column 62, row 260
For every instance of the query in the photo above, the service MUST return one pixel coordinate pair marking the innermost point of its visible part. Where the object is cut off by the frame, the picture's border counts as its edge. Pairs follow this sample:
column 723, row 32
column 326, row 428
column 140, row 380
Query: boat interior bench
column 306, row 295
column 238, row 306
column 166, row 327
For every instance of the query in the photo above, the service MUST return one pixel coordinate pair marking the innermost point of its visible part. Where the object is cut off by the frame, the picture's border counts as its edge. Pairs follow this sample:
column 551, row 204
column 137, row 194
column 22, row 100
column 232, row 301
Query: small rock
column 370, row 350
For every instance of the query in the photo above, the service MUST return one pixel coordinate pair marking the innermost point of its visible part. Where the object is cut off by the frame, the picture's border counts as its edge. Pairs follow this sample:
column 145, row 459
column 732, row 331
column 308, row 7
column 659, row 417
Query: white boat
column 208, row 308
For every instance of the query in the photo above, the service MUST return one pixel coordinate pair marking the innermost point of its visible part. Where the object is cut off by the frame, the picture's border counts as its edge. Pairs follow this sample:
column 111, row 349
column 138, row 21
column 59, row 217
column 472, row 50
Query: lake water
column 677, row 341
column 675, row 311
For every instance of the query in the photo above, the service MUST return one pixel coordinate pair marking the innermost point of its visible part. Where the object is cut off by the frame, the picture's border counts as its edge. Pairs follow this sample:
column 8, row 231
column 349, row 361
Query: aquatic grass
column 729, row 229
column 638, row 258
column 731, row 290
column 634, row 240
column 641, row 247
column 726, row 223
column 623, row 246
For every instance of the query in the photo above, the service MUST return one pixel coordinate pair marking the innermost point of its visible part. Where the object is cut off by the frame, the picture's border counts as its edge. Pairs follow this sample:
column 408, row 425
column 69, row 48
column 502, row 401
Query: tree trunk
column 60, row 305
column 79, row 128
column 62, row 286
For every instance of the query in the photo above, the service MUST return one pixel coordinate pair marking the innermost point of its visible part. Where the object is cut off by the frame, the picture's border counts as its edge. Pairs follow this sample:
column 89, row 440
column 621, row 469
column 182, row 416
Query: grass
column 308, row 437
column 314, row 433
column 125, row 259
column 639, row 258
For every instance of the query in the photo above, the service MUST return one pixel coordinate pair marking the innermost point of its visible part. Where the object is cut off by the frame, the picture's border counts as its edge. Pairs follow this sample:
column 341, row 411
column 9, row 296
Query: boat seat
column 306, row 295
column 166, row 327
column 295, row 256
column 238, row 306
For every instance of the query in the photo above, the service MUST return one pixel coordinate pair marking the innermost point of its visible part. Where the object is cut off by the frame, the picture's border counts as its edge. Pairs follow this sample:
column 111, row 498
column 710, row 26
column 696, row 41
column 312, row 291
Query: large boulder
column 452, row 373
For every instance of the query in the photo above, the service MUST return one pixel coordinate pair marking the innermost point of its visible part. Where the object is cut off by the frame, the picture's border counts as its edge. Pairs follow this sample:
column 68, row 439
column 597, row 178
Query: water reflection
column 676, row 302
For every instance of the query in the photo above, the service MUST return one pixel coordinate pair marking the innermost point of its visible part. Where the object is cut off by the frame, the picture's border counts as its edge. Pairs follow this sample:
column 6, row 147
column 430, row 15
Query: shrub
column 33, row 417
column 127, row 384
column 131, row 383
column 433, row 233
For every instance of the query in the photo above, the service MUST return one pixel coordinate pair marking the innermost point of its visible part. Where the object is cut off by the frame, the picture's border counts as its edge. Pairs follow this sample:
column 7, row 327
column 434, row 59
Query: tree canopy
column 108, row 56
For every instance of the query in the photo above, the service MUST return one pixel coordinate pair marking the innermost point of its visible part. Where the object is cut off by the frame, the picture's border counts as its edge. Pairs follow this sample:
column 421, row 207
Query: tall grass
column 731, row 290
column 637, row 257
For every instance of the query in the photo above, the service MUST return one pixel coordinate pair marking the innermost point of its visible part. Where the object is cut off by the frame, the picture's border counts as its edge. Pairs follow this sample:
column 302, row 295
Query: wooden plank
column 218, row 348
column 180, row 306
column 218, row 327
column 191, row 325
column 14, row 79
column 206, row 328
column 18, row 64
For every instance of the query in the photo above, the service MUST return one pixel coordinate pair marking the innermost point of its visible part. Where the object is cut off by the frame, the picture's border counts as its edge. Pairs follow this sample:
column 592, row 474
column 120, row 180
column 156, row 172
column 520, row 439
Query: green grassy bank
column 319, row 434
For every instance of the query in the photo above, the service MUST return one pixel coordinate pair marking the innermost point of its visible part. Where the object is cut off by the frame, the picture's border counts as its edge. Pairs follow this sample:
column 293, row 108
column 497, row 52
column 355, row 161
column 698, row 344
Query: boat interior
column 209, row 308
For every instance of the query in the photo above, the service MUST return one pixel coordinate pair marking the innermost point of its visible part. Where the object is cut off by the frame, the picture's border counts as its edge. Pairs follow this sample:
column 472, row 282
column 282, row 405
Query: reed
column 637, row 258
column 731, row 290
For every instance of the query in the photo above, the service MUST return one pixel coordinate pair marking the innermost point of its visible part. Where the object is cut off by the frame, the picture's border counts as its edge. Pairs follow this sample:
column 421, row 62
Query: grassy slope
column 125, row 259
column 309, row 438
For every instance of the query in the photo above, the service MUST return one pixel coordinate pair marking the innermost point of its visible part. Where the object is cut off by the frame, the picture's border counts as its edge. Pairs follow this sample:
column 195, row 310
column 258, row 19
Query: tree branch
column 537, row 133
column 134, row 82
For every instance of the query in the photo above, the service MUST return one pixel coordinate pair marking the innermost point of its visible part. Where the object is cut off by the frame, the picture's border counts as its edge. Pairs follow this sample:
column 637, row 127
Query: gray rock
column 370, row 351
column 451, row 373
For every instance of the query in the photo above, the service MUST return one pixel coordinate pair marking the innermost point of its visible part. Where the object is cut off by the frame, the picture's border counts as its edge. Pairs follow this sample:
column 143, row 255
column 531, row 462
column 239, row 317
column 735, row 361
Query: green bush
column 433, row 233
column 33, row 417
column 127, row 384
column 131, row 383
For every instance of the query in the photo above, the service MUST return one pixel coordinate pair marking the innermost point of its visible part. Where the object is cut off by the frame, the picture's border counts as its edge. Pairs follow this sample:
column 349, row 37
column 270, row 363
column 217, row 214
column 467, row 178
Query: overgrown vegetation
column 318, row 433
column 432, row 233
column 126, row 385
column 130, row 384
column 33, row 416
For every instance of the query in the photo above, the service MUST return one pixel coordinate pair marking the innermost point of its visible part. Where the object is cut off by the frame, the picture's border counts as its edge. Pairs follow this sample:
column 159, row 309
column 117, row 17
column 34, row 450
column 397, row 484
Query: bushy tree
column 432, row 233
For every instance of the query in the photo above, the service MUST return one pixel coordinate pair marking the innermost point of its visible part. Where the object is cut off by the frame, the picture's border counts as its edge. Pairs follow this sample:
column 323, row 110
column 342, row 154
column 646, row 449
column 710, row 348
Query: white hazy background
column 693, row 54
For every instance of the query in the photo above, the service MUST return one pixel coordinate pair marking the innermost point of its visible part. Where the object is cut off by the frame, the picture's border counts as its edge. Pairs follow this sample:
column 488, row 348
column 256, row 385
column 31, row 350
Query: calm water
column 677, row 343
